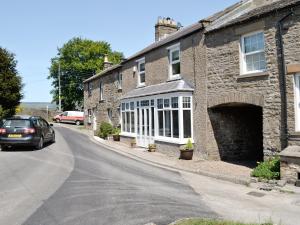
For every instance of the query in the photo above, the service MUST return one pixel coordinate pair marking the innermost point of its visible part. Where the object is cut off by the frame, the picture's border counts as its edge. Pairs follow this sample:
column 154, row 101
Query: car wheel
column 77, row 122
column 3, row 148
column 40, row 144
column 53, row 139
column 57, row 120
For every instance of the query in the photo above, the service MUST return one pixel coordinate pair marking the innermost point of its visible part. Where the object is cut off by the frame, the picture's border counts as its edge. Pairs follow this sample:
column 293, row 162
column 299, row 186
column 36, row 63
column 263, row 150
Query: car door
column 47, row 130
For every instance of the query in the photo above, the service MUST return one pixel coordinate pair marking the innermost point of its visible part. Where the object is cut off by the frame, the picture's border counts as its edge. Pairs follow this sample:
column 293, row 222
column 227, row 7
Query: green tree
column 10, row 84
column 78, row 59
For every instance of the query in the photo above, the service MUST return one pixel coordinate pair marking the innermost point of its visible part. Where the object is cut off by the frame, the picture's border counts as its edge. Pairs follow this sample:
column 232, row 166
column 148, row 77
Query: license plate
column 15, row 135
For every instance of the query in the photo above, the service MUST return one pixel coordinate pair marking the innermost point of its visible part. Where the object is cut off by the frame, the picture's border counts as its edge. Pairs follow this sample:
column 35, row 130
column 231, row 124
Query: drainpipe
column 282, row 73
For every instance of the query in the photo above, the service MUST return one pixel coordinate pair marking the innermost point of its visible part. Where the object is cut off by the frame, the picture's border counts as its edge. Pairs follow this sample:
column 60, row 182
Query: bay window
column 128, row 117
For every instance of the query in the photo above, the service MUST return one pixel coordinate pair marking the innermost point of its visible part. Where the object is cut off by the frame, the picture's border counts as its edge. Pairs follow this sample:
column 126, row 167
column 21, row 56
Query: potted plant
column 133, row 143
column 116, row 134
column 187, row 152
column 151, row 147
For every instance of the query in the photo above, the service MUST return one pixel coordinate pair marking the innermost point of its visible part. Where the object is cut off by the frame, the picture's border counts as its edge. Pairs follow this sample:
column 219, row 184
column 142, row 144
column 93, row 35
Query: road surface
column 78, row 182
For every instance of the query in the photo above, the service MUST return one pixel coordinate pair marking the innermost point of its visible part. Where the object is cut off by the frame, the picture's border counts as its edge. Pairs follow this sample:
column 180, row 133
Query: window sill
column 172, row 140
column 174, row 77
column 253, row 75
column 125, row 134
column 141, row 86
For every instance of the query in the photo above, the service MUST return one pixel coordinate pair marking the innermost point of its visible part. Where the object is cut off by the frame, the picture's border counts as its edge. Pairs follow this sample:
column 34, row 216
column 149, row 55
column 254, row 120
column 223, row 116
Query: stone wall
column 223, row 77
column 111, row 99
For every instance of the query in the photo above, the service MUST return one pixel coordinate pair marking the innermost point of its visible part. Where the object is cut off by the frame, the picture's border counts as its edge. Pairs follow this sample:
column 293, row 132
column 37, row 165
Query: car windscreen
column 16, row 123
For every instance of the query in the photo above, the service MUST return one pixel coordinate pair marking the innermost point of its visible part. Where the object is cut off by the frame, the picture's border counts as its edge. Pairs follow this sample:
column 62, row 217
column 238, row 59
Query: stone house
column 220, row 82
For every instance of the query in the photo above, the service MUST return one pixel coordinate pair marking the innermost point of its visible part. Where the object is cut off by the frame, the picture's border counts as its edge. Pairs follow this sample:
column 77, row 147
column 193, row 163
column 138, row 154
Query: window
column 253, row 53
column 174, row 61
column 168, row 117
column 89, row 116
column 141, row 72
column 119, row 81
column 101, row 91
column 187, row 115
column 90, row 87
column 109, row 114
column 128, row 117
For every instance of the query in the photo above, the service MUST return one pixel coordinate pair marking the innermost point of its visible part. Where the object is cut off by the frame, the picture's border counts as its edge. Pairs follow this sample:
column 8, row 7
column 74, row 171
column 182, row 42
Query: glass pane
column 145, row 103
column 176, row 68
column 174, row 102
column 175, row 124
column 138, row 121
column 123, row 122
column 127, row 105
column 152, row 121
column 128, row 121
column 175, row 55
column 132, row 123
column 152, row 102
column 142, row 67
column 143, row 122
column 142, row 78
column 123, row 106
column 131, row 105
column 160, row 104
column 186, row 102
column 254, row 42
column 161, row 123
column 187, row 131
column 148, row 122
column 168, row 123
column 166, row 103
column 256, row 62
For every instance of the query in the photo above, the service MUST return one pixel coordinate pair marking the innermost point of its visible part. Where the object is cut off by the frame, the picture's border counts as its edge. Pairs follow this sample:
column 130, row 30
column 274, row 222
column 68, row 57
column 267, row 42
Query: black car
column 26, row 131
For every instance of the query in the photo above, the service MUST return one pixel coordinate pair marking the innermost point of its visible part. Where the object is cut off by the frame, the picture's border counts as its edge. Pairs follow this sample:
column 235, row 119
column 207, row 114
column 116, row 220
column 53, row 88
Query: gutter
column 282, row 76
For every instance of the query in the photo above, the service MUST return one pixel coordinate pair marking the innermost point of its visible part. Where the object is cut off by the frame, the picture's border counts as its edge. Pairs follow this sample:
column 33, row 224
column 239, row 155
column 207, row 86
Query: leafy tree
column 10, row 84
column 78, row 60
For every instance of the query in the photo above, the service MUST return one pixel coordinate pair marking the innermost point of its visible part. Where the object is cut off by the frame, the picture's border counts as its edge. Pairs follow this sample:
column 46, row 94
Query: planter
column 132, row 145
column 152, row 149
column 186, row 154
column 116, row 137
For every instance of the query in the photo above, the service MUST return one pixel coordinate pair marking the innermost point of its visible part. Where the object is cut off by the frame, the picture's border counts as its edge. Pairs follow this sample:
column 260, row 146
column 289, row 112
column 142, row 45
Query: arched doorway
column 238, row 131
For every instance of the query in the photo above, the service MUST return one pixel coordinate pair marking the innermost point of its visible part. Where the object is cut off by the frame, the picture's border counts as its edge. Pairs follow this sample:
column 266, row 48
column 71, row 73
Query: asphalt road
column 78, row 182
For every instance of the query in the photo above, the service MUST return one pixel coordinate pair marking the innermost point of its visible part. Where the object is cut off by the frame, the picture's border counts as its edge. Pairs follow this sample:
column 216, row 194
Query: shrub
column 269, row 169
column 105, row 130
column 116, row 131
column 189, row 145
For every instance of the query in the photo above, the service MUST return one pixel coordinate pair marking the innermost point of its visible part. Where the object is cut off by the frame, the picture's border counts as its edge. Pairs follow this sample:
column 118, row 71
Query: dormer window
column 141, row 72
column 253, row 53
column 174, row 61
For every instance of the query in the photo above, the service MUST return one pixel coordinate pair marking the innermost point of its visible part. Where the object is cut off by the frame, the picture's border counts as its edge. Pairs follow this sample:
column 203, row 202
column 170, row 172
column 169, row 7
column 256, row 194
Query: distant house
column 229, row 82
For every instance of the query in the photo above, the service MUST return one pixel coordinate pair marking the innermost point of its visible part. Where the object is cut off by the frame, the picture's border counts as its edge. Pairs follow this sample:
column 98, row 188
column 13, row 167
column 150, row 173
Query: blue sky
column 33, row 29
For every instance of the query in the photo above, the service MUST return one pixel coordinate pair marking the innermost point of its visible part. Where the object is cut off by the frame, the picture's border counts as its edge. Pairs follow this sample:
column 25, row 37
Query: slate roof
column 258, row 12
column 168, row 87
column 103, row 72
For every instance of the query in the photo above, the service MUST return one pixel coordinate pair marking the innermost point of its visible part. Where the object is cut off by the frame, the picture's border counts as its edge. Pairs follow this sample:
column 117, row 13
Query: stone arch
column 235, row 98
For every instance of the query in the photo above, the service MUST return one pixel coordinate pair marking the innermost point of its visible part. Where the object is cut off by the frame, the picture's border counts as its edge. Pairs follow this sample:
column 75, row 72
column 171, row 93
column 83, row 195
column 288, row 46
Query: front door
column 145, row 124
column 297, row 102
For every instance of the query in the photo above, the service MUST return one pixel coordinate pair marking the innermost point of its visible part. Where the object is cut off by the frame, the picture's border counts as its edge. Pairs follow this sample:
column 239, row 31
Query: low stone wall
column 290, row 164
column 168, row 149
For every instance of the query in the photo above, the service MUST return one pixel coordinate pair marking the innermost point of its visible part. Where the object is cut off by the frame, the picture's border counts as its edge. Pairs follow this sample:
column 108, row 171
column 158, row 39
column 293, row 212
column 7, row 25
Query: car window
column 16, row 123
column 45, row 123
column 65, row 113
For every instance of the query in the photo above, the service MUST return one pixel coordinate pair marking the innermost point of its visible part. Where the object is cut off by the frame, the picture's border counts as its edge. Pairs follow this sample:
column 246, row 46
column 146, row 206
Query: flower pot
column 186, row 154
column 132, row 145
column 152, row 149
column 116, row 137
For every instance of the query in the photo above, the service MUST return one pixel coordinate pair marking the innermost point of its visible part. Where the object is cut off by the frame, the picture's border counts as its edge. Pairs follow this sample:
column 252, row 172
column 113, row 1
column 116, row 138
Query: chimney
column 165, row 27
column 106, row 63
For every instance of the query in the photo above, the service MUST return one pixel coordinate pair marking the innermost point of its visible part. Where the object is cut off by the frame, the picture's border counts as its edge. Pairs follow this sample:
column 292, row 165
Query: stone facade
column 110, row 101
column 290, row 164
column 235, row 117
column 225, row 82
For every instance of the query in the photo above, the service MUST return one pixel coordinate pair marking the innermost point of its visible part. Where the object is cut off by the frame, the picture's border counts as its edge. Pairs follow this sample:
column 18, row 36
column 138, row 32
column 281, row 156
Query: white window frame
column 101, row 91
column 109, row 115
column 243, row 63
column 172, row 49
column 119, row 80
column 139, row 73
column 297, row 101
column 129, row 110
column 90, row 88
column 181, row 140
